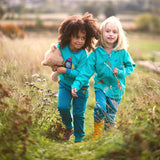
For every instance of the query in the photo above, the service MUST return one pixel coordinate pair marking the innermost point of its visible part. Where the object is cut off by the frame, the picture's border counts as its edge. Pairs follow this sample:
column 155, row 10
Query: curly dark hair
column 72, row 25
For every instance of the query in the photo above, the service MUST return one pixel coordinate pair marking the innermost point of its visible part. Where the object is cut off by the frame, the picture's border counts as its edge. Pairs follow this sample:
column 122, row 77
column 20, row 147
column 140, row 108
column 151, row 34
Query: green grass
column 141, row 47
column 30, row 127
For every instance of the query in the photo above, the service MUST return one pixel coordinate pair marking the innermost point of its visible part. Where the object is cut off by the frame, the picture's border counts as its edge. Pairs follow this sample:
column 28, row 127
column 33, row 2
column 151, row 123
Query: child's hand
column 115, row 71
column 61, row 70
column 54, row 68
column 74, row 92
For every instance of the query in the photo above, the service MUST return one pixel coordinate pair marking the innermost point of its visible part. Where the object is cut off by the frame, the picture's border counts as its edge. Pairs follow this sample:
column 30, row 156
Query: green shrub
column 91, row 8
column 2, row 12
column 148, row 23
column 109, row 10
column 15, row 121
column 39, row 23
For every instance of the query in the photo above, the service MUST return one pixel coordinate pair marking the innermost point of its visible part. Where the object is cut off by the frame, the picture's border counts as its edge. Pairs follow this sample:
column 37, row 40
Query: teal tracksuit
column 74, row 62
column 108, row 88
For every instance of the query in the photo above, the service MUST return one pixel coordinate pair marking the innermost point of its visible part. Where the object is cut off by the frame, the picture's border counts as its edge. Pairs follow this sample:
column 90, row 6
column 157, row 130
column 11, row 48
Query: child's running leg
column 100, row 108
column 112, row 107
column 79, row 108
column 99, row 113
column 64, row 106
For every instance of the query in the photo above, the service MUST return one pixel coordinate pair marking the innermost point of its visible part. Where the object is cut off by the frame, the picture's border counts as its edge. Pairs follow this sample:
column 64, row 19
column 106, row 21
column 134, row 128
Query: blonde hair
column 121, row 41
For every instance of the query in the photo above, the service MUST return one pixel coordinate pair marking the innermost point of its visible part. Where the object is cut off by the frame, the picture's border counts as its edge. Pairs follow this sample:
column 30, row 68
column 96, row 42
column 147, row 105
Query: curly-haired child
column 77, row 35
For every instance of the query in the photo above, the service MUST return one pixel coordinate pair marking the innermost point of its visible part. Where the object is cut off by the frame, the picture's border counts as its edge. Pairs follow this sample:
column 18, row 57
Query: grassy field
column 30, row 126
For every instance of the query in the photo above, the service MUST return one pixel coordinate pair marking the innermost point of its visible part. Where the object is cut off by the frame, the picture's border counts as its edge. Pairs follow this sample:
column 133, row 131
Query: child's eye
column 114, row 31
column 83, row 38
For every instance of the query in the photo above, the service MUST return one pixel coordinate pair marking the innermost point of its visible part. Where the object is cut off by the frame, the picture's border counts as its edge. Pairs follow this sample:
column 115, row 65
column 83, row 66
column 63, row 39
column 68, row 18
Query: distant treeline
column 95, row 7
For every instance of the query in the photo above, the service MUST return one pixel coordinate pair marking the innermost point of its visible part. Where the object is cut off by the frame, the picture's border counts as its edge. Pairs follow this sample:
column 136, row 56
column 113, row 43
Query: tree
column 91, row 8
column 155, row 7
column 2, row 12
column 109, row 10
column 147, row 22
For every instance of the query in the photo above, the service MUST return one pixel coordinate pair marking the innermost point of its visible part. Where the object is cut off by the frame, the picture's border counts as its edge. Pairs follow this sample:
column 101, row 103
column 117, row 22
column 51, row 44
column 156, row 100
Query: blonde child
column 112, row 64
column 76, row 37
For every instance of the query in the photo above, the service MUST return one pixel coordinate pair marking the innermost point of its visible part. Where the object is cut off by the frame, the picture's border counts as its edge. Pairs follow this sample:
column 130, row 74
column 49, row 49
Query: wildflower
column 44, row 80
column 26, row 83
column 36, row 87
column 47, row 99
column 26, row 76
column 41, row 91
column 35, row 75
column 32, row 84
column 49, row 90
column 39, row 80
column 55, row 94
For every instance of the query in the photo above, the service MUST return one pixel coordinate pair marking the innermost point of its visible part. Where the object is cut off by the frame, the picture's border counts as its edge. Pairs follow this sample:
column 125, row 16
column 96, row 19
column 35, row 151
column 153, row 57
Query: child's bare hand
column 61, row 70
column 74, row 92
column 115, row 71
column 54, row 68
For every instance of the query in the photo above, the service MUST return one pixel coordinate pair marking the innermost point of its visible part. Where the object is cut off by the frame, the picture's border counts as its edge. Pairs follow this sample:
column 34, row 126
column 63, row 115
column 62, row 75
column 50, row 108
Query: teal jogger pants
column 78, row 108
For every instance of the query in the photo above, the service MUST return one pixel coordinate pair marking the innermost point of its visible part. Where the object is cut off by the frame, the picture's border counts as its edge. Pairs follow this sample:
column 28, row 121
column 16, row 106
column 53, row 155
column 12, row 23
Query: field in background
column 29, row 121
column 56, row 19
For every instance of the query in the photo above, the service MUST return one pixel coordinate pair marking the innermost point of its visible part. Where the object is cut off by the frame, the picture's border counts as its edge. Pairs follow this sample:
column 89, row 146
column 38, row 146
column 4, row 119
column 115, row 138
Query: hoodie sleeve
column 128, row 66
column 85, row 74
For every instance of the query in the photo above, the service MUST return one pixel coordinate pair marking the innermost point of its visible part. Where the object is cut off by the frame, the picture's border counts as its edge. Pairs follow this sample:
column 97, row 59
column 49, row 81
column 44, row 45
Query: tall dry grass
column 21, row 57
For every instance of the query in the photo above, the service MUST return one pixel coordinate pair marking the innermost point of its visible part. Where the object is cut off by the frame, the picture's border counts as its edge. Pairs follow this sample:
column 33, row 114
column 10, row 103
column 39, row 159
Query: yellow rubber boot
column 97, row 129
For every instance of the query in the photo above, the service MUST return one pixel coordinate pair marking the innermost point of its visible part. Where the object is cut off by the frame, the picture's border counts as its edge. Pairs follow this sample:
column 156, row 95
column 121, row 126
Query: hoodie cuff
column 68, row 71
column 120, row 73
column 76, row 85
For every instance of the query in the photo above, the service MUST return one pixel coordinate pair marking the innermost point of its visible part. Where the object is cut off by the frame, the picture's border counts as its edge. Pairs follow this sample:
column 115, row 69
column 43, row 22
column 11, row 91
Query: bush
column 15, row 121
column 12, row 31
column 2, row 12
column 148, row 23
column 91, row 8
column 39, row 23
column 109, row 10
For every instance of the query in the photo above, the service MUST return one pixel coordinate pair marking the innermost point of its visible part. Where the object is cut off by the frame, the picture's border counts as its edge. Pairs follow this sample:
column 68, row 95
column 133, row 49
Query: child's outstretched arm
column 85, row 74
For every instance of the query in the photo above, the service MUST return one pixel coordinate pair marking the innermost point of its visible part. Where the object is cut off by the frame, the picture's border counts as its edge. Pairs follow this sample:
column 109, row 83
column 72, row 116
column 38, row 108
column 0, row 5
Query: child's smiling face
column 77, row 41
column 110, row 33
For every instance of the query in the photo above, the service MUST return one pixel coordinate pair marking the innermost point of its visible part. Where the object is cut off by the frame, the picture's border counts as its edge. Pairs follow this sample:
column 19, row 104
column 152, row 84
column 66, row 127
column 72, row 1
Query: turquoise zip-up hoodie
column 98, row 62
column 76, row 61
